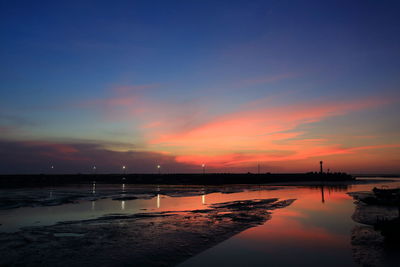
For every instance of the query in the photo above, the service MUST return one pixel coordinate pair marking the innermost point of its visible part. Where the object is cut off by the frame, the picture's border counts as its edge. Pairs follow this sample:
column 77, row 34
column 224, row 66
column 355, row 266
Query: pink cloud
column 57, row 147
column 266, row 123
column 261, row 131
column 258, row 135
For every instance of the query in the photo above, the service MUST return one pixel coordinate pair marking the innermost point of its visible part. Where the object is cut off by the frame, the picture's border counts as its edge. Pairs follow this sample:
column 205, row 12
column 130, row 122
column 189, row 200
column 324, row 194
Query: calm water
column 315, row 228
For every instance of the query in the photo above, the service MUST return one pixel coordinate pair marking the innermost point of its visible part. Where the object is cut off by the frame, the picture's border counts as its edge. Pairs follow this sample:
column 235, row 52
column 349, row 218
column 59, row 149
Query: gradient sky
column 181, row 83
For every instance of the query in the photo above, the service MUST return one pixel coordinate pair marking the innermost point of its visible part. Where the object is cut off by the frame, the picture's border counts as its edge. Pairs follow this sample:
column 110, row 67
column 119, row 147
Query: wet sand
column 368, row 245
column 150, row 239
column 49, row 196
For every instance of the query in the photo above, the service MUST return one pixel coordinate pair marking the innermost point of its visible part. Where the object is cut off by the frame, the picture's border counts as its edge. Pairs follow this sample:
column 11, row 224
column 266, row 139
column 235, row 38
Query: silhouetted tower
column 320, row 166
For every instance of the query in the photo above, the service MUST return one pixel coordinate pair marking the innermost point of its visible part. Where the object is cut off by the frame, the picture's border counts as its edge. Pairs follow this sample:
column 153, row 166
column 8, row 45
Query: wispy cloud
column 262, row 130
column 265, row 134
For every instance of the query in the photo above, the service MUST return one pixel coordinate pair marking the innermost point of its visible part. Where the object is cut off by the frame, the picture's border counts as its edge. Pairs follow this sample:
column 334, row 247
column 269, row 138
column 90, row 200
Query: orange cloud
column 264, row 134
column 262, row 131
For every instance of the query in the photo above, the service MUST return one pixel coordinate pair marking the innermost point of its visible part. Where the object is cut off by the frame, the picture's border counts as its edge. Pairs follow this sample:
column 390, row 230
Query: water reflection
column 99, row 202
column 330, row 188
column 315, row 227
column 322, row 194
column 314, row 231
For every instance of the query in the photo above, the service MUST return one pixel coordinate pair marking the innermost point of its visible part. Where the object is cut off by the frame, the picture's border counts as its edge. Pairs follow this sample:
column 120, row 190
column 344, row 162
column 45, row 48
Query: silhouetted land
column 177, row 179
column 384, row 175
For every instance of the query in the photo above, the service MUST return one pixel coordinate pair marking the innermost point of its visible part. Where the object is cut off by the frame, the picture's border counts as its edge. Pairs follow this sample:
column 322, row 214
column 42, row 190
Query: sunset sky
column 180, row 83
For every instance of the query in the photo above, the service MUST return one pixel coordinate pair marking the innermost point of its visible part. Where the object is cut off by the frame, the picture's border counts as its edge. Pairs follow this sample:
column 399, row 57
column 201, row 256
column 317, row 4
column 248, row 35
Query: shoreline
column 151, row 239
column 169, row 179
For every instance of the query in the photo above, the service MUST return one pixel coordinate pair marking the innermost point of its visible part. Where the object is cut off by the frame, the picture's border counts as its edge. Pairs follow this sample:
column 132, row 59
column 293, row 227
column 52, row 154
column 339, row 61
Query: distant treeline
column 177, row 179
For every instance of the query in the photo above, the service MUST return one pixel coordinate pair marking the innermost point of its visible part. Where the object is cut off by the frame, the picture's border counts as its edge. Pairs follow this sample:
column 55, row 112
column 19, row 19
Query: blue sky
column 137, row 72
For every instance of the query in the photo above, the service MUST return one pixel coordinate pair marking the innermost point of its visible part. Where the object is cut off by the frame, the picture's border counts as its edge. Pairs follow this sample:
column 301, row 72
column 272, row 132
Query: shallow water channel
column 313, row 230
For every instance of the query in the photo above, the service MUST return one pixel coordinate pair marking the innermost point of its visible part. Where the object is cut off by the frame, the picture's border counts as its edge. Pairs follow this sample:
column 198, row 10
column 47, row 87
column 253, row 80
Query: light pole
column 159, row 169
column 94, row 169
column 124, row 169
column 204, row 168
column 321, row 170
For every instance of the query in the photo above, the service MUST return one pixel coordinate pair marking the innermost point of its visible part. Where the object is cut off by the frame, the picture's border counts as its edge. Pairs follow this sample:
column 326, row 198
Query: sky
column 228, row 84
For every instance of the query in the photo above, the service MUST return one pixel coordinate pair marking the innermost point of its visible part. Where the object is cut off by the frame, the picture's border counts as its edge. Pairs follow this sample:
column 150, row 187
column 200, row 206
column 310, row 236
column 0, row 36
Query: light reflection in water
column 314, row 229
column 317, row 224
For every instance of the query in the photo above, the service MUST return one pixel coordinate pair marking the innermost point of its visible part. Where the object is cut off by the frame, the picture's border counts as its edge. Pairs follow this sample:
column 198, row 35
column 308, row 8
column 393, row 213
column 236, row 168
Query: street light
column 204, row 168
column 94, row 169
column 159, row 169
column 123, row 168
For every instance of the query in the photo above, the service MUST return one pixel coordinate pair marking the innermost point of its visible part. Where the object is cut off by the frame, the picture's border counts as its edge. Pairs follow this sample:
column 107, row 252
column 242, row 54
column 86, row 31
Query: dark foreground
column 147, row 239
column 378, row 236
column 172, row 179
column 191, row 225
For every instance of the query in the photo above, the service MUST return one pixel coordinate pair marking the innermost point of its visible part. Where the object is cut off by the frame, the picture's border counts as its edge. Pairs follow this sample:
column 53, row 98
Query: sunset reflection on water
column 313, row 231
column 315, row 228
